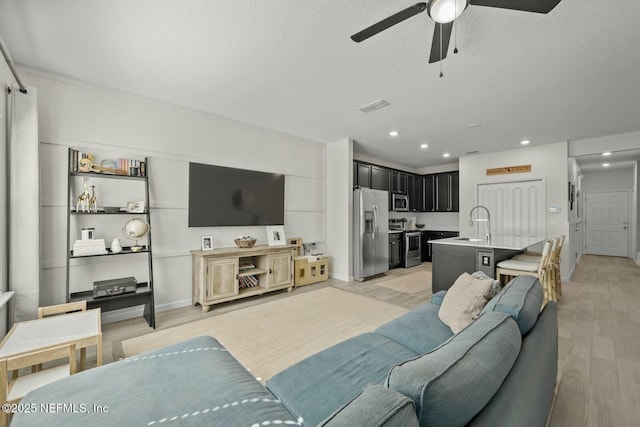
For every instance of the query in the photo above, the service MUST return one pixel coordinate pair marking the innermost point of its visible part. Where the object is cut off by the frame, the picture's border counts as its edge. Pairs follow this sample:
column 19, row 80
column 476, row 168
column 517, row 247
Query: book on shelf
column 248, row 282
column 89, row 247
column 246, row 267
column 129, row 167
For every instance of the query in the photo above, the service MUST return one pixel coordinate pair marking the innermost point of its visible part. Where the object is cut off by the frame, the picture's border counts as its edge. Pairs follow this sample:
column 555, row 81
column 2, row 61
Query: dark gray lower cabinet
column 427, row 235
column 450, row 261
column 395, row 250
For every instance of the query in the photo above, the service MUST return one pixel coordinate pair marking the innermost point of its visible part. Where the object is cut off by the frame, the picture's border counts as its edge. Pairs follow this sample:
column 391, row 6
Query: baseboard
column 339, row 277
column 133, row 312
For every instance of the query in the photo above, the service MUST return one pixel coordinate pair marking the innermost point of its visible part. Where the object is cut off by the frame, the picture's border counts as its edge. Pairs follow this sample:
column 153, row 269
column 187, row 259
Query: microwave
column 399, row 202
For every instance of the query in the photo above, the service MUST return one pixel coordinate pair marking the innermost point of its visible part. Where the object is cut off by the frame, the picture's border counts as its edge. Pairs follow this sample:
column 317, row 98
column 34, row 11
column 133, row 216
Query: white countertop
column 497, row 242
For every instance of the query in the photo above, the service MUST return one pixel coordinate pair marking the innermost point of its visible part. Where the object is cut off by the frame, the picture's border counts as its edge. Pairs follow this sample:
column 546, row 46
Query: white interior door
column 517, row 208
column 607, row 223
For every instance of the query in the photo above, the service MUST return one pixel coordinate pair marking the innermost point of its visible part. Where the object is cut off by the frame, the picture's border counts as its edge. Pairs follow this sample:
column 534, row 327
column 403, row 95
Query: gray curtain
column 24, row 203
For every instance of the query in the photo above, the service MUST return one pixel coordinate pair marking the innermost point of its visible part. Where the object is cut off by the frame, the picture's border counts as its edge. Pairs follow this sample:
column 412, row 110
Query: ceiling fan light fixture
column 445, row 11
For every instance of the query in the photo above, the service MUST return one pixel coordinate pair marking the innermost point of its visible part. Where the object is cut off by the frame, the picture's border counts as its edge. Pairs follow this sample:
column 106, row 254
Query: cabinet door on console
column 222, row 279
column 280, row 269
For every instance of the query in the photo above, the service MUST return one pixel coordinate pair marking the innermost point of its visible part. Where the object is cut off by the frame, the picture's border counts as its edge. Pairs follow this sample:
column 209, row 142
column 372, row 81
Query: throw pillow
column 495, row 283
column 464, row 301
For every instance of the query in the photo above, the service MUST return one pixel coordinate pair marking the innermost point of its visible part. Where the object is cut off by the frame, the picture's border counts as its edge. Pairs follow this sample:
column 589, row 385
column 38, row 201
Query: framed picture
column 136, row 206
column 206, row 243
column 275, row 235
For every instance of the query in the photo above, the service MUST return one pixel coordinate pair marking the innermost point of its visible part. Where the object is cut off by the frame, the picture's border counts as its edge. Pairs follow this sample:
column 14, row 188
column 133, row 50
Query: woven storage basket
column 245, row 243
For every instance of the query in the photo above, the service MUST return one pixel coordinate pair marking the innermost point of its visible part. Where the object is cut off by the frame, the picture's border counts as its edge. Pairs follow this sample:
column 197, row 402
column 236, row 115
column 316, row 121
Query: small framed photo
column 275, row 235
column 136, row 206
column 206, row 243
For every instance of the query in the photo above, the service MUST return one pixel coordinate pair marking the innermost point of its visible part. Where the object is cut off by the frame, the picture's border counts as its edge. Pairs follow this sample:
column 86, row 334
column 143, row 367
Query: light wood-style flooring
column 599, row 345
column 599, row 336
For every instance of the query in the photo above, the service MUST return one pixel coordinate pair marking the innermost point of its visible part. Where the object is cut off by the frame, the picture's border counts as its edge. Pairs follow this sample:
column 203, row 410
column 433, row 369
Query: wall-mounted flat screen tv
column 221, row 196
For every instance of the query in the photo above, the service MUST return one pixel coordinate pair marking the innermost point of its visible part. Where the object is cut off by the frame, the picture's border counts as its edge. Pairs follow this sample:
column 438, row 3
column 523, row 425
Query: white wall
column 619, row 142
column 340, row 208
column 547, row 161
column 89, row 117
column 611, row 179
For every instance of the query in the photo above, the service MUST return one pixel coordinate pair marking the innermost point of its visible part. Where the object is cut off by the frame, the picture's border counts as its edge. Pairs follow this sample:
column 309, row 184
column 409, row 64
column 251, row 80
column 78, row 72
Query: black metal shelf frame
column 144, row 294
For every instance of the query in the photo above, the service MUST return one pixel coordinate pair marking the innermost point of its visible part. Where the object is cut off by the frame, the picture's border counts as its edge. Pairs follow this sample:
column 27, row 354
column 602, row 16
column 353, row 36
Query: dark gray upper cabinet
column 415, row 191
column 455, row 191
column 398, row 182
column 380, row 178
column 364, row 176
column 429, row 191
column 447, row 192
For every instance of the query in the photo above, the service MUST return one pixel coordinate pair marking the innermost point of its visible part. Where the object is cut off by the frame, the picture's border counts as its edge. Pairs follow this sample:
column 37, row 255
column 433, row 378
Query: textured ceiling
column 290, row 65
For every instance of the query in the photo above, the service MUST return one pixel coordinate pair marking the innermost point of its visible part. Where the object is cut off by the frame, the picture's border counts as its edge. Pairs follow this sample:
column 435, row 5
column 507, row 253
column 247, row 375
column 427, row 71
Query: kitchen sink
column 469, row 239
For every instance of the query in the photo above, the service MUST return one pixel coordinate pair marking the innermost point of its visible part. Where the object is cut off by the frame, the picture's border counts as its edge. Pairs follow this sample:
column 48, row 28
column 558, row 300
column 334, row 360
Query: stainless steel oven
column 412, row 248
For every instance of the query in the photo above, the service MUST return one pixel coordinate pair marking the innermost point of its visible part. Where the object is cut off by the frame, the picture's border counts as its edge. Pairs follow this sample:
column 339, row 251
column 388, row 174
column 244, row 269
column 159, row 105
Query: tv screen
column 220, row 196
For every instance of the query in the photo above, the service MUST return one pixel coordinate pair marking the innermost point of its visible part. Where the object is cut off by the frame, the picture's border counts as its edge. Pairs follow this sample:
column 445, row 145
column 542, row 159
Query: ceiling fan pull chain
column 455, row 30
column 441, row 74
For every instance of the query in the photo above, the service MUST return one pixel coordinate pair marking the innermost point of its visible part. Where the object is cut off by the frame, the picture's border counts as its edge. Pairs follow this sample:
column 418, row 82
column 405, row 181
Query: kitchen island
column 456, row 255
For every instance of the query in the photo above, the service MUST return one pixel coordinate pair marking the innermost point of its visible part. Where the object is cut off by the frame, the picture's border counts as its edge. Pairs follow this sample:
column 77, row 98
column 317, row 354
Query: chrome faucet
column 488, row 220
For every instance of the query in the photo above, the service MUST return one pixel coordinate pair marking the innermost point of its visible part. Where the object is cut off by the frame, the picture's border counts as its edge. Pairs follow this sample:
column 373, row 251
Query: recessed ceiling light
column 606, row 165
column 525, row 142
column 474, row 125
column 606, row 153
column 393, row 133
column 423, row 146
column 446, row 155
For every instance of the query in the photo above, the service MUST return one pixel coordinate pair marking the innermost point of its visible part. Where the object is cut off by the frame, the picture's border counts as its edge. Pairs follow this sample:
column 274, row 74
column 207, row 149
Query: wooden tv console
column 227, row 274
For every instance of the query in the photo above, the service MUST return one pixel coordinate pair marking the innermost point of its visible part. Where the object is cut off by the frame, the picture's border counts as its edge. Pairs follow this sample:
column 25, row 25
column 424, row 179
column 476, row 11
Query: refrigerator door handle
column 375, row 222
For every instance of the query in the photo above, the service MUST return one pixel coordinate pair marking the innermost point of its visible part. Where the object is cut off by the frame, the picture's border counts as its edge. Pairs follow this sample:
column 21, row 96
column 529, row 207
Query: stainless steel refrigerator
column 370, row 233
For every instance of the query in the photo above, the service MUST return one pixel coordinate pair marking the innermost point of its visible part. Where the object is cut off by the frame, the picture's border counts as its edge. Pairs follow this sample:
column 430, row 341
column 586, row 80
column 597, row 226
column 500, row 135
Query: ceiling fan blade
column 538, row 6
column 435, row 44
column 389, row 22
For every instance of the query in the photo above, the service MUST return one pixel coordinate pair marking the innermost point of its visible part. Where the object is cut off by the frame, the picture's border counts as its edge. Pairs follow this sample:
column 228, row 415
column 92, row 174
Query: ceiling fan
column 444, row 12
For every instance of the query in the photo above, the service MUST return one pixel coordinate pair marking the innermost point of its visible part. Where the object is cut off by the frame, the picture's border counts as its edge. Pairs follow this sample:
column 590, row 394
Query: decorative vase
column 116, row 247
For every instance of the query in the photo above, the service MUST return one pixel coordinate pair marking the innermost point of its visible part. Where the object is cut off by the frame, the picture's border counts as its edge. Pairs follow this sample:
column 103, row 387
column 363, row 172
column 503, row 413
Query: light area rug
column 412, row 283
column 270, row 337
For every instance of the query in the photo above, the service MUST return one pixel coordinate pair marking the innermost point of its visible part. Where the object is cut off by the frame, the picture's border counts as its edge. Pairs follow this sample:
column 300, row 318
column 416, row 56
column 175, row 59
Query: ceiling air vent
column 376, row 105
column 472, row 152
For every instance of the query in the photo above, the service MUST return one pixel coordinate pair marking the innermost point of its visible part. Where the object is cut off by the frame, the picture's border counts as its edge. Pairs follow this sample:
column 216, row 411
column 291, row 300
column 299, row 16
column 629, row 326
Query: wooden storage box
column 310, row 269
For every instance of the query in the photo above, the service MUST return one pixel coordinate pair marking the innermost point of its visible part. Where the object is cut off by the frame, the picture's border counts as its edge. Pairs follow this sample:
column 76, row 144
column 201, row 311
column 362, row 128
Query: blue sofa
column 412, row 371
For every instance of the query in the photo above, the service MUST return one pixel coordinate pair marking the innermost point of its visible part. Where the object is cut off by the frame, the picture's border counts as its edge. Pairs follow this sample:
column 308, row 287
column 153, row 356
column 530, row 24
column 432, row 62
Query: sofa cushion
column 192, row 383
column 375, row 406
column 438, row 297
column 452, row 383
column 317, row 386
column 521, row 298
column 420, row 330
column 465, row 300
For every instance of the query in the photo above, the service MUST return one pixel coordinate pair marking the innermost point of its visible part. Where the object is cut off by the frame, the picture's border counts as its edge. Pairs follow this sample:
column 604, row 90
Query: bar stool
column 512, row 267
column 554, row 259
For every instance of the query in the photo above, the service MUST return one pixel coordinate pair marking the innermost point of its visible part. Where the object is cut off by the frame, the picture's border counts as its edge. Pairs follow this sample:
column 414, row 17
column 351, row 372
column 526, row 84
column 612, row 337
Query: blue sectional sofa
column 412, row 371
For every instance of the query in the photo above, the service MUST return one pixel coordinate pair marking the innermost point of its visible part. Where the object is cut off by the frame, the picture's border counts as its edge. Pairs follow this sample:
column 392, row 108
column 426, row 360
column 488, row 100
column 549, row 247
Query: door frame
column 630, row 229
column 543, row 179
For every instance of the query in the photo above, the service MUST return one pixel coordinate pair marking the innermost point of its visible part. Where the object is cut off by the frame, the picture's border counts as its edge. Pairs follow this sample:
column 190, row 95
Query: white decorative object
column 206, row 243
column 275, row 235
column 116, row 246
column 136, row 207
column 135, row 229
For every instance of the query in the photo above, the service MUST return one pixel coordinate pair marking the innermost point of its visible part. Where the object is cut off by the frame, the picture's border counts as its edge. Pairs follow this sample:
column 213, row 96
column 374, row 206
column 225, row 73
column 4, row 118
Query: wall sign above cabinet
column 509, row 169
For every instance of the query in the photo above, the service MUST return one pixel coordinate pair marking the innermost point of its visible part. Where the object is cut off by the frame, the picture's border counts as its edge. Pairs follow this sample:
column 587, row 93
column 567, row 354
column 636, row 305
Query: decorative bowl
column 419, row 225
column 245, row 242
column 111, row 209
